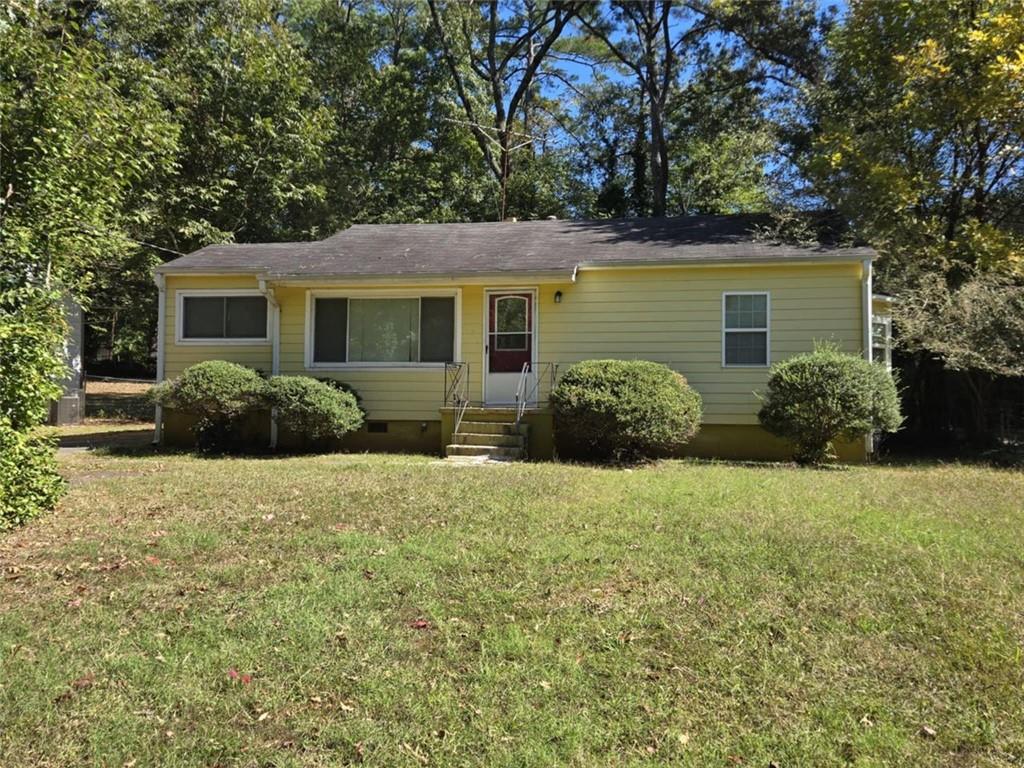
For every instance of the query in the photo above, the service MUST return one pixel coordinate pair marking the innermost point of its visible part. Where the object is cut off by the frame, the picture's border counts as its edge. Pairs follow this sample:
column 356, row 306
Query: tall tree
column 81, row 131
column 644, row 38
column 495, row 52
column 920, row 131
column 918, row 139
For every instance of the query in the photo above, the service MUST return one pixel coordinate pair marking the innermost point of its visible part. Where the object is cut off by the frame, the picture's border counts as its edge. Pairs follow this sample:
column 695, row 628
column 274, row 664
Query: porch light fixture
column 558, row 297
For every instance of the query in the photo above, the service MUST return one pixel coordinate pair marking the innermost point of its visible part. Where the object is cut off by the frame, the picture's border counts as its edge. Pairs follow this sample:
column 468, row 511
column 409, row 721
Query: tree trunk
column 659, row 160
column 639, row 157
column 978, row 385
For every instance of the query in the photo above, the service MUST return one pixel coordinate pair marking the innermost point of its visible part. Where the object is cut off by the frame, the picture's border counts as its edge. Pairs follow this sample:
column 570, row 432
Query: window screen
column 746, row 329
column 437, row 330
column 224, row 317
column 383, row 330
column 204, row 317
column 246, row 317
column 330, row 329
column 398, row 330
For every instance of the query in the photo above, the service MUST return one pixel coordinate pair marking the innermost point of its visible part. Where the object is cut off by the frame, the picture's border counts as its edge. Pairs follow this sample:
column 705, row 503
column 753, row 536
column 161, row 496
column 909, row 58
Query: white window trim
column 179, row 317
column 766, row 330
column 375, row 293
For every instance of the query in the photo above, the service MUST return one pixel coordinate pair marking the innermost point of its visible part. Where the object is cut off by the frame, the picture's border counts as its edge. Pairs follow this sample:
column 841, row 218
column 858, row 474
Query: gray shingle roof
column 367, row 250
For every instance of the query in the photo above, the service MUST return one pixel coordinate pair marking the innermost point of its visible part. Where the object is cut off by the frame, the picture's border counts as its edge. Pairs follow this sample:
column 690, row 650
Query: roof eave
column 746, row 261
column 557, row 275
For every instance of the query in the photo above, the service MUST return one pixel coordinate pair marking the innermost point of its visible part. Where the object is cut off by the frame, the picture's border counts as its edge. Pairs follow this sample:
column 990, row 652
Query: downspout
column 869, row 439
column 161, row 332
column 275, row 348
column 868, row 290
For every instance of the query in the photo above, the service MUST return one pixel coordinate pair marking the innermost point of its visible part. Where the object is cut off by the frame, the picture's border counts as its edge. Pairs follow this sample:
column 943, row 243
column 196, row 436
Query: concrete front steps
column 490, row 439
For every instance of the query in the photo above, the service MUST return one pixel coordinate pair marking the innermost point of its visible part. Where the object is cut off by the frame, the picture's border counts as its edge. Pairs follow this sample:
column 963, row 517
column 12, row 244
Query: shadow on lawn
column 104, row 438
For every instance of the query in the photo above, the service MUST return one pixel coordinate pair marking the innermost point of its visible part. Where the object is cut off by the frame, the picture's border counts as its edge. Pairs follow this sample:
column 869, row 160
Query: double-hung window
column 881, row 340
column 383, row 330
column 239, row 317
column 745, row 329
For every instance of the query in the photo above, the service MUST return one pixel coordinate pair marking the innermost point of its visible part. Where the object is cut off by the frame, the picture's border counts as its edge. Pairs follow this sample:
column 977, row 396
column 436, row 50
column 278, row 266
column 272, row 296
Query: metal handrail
column 519, row 398
column 456, row 390
column 523, row 397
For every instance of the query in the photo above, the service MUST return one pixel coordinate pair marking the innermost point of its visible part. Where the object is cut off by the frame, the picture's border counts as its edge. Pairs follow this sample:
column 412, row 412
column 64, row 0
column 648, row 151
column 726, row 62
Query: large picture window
column 383, row 330
column 207, row 317
column 745, row 329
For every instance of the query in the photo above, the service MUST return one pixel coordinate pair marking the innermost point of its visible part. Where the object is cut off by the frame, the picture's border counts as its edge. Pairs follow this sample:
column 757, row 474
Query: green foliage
column 32, row 331
column 219, row 394
column 83, row 132
column 919, row 134
column 313, row 409
column 623, row 410
column 821, row 396
column 976, row 326
column 342, row 386
column 29, row 480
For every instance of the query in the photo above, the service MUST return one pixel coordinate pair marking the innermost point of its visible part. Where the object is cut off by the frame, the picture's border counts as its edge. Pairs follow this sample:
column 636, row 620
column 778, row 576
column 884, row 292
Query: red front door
column 509, row 332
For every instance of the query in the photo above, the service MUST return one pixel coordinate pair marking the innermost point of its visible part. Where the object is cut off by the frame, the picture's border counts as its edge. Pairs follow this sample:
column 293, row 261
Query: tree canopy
column 135, row 130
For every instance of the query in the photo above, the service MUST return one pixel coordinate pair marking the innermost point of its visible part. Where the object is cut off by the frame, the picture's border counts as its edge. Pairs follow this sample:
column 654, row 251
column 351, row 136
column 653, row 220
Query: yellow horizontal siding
column 671, row 315
column 674, row 316
column 395, row 394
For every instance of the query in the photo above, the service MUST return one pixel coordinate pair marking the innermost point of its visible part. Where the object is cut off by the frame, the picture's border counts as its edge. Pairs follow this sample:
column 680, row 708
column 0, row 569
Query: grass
column 381, row 610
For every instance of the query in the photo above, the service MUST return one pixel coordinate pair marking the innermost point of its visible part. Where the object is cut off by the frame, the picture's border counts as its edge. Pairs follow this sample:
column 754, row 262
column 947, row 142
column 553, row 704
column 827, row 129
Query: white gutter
column 867, row 284
column 275, row 348
column 161, row 332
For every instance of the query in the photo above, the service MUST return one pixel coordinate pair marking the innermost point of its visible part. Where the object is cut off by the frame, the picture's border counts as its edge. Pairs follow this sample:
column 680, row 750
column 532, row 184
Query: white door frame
column 534, row 329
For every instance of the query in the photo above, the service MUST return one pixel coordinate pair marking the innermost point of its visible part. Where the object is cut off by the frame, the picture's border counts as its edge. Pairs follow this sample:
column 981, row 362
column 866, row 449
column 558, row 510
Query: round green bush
column 29, row 480
column 623, row 410
column 219, row 394
column 314, row 409
column 816, row 398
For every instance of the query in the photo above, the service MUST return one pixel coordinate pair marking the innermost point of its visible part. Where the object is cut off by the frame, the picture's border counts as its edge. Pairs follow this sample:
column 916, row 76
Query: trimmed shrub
column 314, row 409
column 816, row 398
column 623, row 410
column 29, row 481
column 342, row 386
column 220, row 394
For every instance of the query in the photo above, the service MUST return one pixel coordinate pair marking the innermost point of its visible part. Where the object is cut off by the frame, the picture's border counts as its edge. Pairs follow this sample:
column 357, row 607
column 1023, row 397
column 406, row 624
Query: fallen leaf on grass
column 418, row 755
column 243, row 678
column 84, row 681
column 152, row 559
column 80, row 684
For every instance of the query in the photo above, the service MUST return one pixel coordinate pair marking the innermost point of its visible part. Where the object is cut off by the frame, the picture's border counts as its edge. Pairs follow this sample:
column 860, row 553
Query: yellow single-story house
column 454, row 334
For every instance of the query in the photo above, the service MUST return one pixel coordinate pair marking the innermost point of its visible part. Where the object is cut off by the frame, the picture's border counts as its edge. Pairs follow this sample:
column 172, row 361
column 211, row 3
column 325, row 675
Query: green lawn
column 399, row 611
